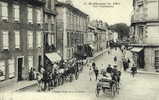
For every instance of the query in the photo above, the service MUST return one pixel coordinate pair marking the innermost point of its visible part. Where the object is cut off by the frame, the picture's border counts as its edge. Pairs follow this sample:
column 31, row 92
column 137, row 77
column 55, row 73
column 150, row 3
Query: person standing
column 96, row 71
column 46, row 80
column 133, row 70
column 109, row 69
column 115, row 59
column 31, row 74
column 93, row 65
column 90, row 72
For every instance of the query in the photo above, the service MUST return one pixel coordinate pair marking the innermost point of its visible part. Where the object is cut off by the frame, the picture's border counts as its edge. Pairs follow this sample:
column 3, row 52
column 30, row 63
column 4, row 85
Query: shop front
column 51, row 59
column 138, row 57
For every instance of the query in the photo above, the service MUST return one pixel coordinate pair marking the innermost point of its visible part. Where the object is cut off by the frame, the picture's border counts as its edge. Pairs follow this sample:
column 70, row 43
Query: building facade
column 71, row 27
column 145, row 29
column 50, row 50
column 89, row 41
column 101, row 34
column 20, row 39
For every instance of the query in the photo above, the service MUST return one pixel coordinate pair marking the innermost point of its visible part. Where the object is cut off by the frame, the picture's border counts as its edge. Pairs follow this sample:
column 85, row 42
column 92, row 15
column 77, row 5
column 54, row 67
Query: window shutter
column 39, row 18
column 16, row 12
column 4, row 11
column 38, row 39
column 30, row 15
column 5, row 40
column 30, row 39
column 17, row 39
column 30, row 62
column 11, row 68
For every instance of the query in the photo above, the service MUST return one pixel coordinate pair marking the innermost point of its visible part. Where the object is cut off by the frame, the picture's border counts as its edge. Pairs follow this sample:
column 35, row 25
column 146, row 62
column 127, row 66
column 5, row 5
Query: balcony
column 35, row 2
column 49, row 11
column 143, row 19
column 140, row 18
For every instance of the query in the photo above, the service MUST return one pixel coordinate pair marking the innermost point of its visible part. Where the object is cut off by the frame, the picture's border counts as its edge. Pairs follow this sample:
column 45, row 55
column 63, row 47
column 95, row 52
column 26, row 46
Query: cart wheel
column 113, row 90
column 97, row 92
column 71, row 78
column 117, row 88
column 104, row 90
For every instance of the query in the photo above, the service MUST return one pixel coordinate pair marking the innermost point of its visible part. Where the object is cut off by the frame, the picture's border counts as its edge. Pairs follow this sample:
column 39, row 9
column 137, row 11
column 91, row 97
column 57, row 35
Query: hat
column 115, row 66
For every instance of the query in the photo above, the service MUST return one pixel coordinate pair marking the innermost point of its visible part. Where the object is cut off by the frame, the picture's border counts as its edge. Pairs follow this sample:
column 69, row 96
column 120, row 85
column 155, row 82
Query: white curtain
column 5, row 40
column 4, row 10
column 30, row 39
column 30, row 15
column 16, row 12
column 17, row 39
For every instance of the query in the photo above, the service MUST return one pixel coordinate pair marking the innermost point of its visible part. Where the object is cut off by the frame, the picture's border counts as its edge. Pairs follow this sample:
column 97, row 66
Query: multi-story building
column 20, row 39
column 145, row 29
column 71, row 27
column 101, row 34
column 89, row 41
column 50, row 50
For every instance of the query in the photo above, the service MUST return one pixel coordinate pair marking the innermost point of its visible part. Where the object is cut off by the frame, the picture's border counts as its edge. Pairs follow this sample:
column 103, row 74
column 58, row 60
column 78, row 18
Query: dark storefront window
column 2, row 70
column 157, row 59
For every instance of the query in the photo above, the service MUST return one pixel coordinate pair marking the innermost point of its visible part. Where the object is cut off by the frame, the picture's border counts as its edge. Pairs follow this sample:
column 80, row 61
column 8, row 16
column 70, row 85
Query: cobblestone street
column 141, row 87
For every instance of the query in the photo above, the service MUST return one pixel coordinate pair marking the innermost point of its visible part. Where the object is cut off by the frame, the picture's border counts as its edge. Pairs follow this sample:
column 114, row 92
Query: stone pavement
column 17, row 86
column 26, row 84
column 141, row 87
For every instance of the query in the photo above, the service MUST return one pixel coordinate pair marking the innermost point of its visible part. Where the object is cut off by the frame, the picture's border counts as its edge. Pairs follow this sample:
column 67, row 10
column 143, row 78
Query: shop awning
column 136, row 49
column 54, row 57
column 91, row 46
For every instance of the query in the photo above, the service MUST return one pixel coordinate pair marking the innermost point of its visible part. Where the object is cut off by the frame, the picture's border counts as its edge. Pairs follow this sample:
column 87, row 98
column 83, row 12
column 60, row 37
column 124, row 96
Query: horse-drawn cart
column 107, row 85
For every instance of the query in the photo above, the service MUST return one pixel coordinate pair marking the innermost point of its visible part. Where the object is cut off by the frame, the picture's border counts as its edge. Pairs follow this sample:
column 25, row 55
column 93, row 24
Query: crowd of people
column 67, row 71
column 60, row 73
column 115, row 68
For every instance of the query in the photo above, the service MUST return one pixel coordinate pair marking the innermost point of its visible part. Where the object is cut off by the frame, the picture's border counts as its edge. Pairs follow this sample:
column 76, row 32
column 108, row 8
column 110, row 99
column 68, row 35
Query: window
column 140, row 2
column 5, row 40
column 49, row 4
column 49, row 39
column 30, row 15
column 52, row 2
column 30, row 62
column 52, row 39
column 17, row 39
column 30, row 39
column 16, row 12
column 156, row 59
column 38, row 39
column 2, row 70
column 39, row 18
column 68, row 39
column 46, row 19
column 11, row 68
column 52, row 20
column 4, row 9
column 152, row 11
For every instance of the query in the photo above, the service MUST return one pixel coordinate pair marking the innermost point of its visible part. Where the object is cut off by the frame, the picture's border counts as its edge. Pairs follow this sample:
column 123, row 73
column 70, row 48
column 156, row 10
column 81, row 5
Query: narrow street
column 141, row 87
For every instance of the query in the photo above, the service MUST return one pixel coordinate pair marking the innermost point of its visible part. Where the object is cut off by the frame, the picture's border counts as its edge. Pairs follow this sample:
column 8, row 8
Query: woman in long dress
column 90, row 72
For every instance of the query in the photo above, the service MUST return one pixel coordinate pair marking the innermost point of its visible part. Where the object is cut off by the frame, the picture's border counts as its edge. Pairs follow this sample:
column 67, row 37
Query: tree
column 122, row 29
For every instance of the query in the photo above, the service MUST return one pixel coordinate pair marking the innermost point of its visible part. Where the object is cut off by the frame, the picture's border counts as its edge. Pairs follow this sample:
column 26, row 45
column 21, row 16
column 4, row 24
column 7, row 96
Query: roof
column 92, row 27
column 69, row 6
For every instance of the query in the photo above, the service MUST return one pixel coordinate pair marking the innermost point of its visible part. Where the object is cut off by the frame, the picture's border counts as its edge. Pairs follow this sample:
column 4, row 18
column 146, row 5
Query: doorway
column 20, row 64
column 39, row 66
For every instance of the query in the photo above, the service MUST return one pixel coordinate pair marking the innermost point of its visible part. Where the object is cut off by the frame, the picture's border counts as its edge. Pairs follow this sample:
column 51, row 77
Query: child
column 39, row 80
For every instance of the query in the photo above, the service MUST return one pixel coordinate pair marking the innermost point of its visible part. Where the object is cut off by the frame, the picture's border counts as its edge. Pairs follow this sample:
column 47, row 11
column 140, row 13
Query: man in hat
column 109, row 69
column 116, row 74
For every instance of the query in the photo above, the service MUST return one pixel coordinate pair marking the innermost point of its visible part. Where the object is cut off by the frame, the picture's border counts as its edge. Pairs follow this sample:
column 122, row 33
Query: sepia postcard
column 79, row 49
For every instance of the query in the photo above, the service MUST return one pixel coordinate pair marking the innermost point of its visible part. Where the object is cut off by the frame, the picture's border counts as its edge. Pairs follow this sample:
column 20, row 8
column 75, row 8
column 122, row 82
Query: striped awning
column 54, row 57
column 136, row 49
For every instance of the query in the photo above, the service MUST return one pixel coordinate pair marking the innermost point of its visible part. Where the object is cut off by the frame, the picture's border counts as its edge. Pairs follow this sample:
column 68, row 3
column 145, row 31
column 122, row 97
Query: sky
column 116, row 14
